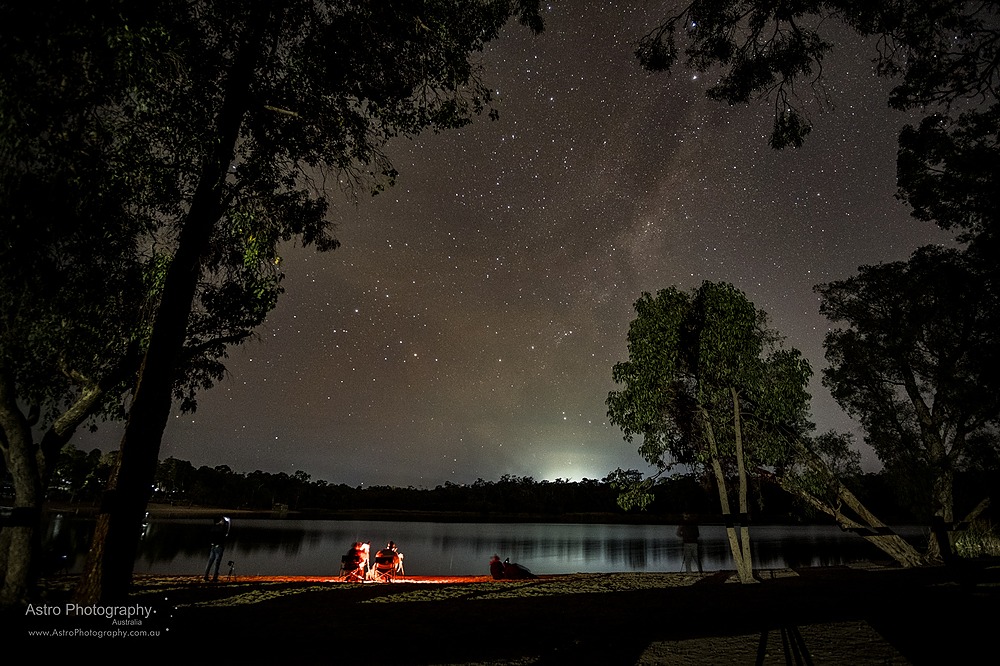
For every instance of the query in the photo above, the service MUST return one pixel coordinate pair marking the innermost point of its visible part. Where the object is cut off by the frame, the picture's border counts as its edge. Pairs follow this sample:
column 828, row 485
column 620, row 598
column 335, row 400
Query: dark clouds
column 468, row 324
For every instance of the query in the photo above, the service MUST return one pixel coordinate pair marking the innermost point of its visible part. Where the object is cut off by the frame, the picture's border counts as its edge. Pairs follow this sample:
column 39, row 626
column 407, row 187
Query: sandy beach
column 867, row 614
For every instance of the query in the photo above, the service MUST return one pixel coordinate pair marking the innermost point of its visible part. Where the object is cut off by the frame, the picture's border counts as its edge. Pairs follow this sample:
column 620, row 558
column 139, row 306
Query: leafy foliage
column 915, row 361
column 634, row 491
column 176, row 145
column 941, row 53
column 911, row 362
column 687, row 352
column 832, row 460
column 949, row 172
column 69, row 248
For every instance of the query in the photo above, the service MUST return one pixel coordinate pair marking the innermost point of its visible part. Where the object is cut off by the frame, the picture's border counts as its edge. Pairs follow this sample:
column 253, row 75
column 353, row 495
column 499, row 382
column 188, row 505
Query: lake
column 277, row 547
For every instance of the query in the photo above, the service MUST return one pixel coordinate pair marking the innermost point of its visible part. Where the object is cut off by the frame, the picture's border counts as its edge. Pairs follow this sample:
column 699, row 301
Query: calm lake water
column 314, row 547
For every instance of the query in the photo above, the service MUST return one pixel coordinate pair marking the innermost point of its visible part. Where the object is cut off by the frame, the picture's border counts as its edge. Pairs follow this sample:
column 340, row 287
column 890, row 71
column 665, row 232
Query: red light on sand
column 437, row 580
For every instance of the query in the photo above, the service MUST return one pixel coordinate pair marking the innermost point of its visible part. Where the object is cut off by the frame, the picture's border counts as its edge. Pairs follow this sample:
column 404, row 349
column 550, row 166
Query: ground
column 827, row 615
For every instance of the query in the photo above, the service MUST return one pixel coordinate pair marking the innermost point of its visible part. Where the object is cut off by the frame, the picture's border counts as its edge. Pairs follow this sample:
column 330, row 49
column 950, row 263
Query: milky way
column 468, row 325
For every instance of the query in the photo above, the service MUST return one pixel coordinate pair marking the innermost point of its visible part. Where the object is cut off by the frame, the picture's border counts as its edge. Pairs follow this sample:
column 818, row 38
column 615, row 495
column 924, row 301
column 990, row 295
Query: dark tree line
column 80, row 477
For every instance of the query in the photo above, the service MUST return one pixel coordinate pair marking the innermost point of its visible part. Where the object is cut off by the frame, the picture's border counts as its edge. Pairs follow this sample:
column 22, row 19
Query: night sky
column 468, row 325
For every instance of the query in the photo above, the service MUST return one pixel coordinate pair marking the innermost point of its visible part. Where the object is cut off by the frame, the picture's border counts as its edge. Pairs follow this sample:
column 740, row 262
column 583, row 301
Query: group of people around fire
column 357, row 565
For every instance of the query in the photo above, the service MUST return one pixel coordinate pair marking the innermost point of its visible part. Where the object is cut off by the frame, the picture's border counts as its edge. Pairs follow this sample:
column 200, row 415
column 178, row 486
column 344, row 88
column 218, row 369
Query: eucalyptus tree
column 819, row 471
column 83, row 255
column 242, row 118
column 71, row 278
column 709, row 386
column 943, row 59
column 207, row 133
column 63, row 361
column 914, row 358
column 706, row 385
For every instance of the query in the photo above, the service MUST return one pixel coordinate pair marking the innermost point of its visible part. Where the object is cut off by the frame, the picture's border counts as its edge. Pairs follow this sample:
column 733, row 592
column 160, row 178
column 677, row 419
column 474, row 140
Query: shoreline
column 834, row 615
column 163, row 511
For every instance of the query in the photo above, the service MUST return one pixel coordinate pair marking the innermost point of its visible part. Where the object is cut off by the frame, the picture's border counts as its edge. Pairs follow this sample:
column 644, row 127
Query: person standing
column 688, row 533
column 398, row 556
column 220, row 532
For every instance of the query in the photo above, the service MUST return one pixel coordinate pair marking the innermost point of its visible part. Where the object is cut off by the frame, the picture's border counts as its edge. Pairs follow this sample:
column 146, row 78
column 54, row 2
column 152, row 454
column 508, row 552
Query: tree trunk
column 975, row 513
column 22, row 534
column 107, row 573
column 20, row 545
column 941, row 464
column 746, row 574
column 4, row 552
column 867, row 524
column 874, row 532
column 23, row 545
column 744, row 567
column 939, row 546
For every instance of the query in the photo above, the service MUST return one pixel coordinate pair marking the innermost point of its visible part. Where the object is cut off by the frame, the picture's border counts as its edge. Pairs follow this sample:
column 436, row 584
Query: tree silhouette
column 914, row 360
column 240, row 120
column 699, row 365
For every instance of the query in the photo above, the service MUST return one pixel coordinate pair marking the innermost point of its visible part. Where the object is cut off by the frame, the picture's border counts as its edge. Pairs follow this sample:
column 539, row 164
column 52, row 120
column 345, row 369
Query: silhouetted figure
column 354, row 565
column 388, row 564
column 399, row 556
column 220, row 532
column 496, row 567
column 513, row 570
column 688, row 532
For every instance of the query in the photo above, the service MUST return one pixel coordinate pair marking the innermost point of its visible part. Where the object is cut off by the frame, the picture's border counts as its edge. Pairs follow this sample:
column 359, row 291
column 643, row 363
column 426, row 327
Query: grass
column 980, row 540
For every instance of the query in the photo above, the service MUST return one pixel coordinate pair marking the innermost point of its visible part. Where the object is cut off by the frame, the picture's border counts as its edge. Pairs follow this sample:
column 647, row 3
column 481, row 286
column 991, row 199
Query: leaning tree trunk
column 744, row 565
column 107, row 574
column 866, row 524
column 871, row 530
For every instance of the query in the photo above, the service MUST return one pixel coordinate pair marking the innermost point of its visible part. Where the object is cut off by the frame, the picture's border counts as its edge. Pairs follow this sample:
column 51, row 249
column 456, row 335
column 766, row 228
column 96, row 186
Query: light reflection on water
column 314, row 547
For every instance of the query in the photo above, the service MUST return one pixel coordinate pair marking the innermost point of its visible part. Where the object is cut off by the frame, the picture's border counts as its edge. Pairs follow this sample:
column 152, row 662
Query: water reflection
column 291, row 547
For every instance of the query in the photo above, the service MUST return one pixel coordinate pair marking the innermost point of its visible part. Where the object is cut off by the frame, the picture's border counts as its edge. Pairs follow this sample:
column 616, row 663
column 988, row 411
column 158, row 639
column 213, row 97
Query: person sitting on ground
column 513, row 570
column 496, row 567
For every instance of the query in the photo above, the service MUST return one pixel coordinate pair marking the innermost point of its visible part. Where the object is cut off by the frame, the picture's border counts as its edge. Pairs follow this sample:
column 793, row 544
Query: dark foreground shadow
column 930, row 616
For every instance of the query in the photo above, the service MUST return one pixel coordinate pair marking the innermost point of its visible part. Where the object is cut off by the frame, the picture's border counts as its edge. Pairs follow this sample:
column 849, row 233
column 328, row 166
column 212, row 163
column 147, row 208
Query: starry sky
column 468, row 324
